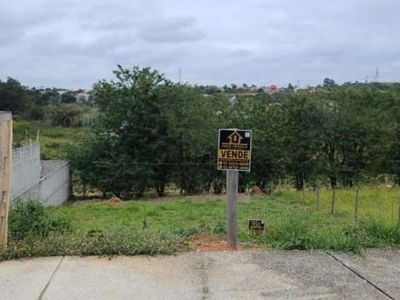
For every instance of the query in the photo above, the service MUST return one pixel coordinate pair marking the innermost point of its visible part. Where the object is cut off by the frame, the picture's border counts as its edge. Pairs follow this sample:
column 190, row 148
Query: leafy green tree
column 66, row 115
column 268, row 166
column 167, row 132
column 14, row 97
column 352, row 133
column 193, row 127
column 328, row 82
column 387, row 149
column 36, row 113
column 68, row 97
column 48, row 97
column 130, row 110
column 98, row 163
column 152, row 134
column 302, row 119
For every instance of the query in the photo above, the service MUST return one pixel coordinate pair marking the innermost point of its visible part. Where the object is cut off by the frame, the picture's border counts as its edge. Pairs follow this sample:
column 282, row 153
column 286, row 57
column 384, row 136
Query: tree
column 265, row 119
column 14, row 97
column 164, row 133
column 68, row 97
column 66, row 115
column 301, row 140
column 387, row 150
column 153, row 134
column 329, row 82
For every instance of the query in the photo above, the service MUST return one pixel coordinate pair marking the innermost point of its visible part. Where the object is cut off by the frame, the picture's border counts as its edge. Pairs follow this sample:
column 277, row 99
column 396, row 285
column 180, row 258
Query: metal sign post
column 234, row 155
column 232, row 182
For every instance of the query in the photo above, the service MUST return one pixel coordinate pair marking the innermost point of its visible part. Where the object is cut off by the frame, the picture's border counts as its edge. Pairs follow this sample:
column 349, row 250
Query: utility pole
column 6, row 131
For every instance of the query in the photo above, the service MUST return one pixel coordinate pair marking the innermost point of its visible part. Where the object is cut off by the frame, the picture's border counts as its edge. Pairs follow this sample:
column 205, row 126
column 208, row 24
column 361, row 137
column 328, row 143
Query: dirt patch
column 255, row 190
column 206, row 242
column 242, row 197
column 115, row 201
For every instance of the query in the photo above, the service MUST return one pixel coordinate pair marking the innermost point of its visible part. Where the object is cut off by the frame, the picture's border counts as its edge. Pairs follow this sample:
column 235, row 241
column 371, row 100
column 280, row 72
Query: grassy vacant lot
column 53, row 140
column 151, row 227
column 290, row 221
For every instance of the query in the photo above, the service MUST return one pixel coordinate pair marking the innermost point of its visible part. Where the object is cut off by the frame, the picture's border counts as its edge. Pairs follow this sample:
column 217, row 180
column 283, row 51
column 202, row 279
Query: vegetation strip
column 169, row 226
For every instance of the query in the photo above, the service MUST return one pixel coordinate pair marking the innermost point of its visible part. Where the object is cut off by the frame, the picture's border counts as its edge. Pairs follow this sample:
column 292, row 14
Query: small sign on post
column 234, row 155
column 256, row 226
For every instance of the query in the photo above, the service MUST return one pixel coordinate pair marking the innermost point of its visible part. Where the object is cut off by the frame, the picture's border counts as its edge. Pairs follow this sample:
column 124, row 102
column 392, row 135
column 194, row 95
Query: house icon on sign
column 235, row 138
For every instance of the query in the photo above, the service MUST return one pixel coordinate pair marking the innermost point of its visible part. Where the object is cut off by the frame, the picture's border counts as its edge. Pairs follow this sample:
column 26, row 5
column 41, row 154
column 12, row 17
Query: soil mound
column 255, row 190
column 115, row 201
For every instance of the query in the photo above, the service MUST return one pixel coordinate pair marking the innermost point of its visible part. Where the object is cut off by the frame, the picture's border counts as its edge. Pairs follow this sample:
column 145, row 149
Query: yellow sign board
column 234, row 149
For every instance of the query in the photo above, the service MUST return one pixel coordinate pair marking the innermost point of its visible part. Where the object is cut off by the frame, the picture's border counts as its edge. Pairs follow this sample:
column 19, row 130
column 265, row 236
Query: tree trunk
column 161, row 191
column 84, row 191
column 333, row 180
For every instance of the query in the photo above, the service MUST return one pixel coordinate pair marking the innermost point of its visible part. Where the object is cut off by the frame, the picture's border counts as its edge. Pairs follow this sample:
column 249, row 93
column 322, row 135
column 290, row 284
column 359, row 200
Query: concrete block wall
column 47, row 181
column 26, row 170
column 54, row 185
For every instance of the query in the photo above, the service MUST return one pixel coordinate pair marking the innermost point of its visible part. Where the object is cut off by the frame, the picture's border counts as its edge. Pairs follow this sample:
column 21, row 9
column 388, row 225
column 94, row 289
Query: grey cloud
column 50, row 44
column 171, row 31
column 74, row 43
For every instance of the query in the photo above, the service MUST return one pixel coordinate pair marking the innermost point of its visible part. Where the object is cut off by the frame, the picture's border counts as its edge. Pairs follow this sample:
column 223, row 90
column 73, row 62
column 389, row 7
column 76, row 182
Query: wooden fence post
column 6, row 130
column 333, row 200
column 356, row 205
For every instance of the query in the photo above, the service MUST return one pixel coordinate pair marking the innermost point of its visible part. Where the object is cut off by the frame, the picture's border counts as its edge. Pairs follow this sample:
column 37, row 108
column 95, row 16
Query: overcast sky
column 75, row 43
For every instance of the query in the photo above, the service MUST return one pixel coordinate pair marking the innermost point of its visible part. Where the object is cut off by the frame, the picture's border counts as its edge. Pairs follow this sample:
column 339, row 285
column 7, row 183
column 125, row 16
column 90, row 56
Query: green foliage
column 54, row 141
column 13, row 97
column 30, row 219
column 154, row 134
column 68, row 97
column 65, row 114
column 114, row 241
column 164, row 227
column 24, row 102
column 150, row 134
column 384, row 233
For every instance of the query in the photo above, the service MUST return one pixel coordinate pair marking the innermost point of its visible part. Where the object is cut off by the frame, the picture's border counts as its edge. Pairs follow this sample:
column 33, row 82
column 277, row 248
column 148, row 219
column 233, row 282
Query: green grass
column 152, row 227
column 377, row 202
column 173, row 216
column 287, row 217
column 53, row 140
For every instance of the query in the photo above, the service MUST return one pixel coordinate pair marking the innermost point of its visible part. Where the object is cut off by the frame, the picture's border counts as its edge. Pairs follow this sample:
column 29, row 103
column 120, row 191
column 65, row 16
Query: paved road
column 218, row 275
